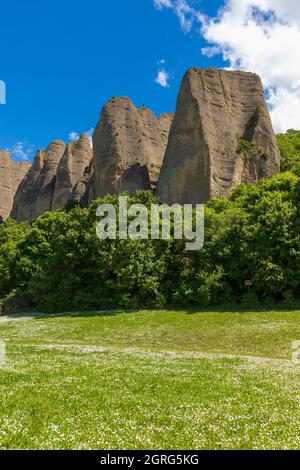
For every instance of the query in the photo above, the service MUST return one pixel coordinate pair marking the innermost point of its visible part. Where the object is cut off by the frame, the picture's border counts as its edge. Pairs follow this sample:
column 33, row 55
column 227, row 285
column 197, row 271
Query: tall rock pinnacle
column 71, row 168
column 11, row 174
column 129, row 146
column 35, row 193
column 221, row 136
column 52, row 179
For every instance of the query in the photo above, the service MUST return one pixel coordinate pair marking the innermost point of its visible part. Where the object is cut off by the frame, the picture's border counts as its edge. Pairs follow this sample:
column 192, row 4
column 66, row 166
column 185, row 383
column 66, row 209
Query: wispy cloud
column 90, row 133
column 160, row 4
column 261, row 36
column 22, row 151
column 2, row 92
column 73, row 136
column 187, row 15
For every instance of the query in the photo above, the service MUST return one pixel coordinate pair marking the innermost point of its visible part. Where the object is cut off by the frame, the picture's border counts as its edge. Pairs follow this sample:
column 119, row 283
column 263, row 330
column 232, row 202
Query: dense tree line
column 58, row 263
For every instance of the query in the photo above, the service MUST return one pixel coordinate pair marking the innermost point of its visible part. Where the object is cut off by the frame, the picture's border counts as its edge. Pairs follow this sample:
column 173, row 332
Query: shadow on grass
column 38, row 315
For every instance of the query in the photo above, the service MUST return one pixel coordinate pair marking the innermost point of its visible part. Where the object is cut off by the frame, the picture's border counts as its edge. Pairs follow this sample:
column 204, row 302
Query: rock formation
column 129, row 146
column 71, row 169
column 221, row 136
column 11, row 174
column 35, row 193
column 53, row 178
column 81, row 190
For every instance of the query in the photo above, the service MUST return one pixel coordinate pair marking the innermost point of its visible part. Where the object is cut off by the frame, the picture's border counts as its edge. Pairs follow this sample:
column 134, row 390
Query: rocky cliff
column 11, row 174
column 221, row 136
column 35, row 193
column 129, row 146
column 52, row 179
column 70, row 171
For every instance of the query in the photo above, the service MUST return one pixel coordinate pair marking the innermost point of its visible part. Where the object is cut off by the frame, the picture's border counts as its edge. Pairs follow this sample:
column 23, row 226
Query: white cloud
column 261, row 36
column 90, row 133
column 162, row 78
column 73, row 136
column 22, row 151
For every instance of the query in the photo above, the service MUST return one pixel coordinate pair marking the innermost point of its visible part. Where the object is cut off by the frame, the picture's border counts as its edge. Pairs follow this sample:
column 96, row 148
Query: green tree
column 289, row 145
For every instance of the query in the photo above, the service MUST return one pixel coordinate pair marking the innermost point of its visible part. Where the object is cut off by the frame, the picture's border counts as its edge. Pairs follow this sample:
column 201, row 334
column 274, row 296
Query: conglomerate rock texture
column 11, row 174
column 221, row 136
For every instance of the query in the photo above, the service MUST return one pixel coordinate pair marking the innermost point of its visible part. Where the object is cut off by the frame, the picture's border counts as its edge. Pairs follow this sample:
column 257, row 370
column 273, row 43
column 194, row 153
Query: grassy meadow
column 150, row 380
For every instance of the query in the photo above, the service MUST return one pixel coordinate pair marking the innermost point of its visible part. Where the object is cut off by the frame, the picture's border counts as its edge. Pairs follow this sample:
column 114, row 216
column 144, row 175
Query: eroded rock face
column 35, row 193
column 129, row 146
column 81, row 190
column 218, row 113
column 220, row 137
column 53, row 179
column 71, row 169
column 11, row 174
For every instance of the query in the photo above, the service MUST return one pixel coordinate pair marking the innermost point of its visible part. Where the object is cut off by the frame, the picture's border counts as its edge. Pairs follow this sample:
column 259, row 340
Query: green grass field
column 150, row 380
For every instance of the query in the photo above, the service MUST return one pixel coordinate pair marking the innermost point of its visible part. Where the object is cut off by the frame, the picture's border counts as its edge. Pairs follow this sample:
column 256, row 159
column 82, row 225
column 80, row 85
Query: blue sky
column 62, row 60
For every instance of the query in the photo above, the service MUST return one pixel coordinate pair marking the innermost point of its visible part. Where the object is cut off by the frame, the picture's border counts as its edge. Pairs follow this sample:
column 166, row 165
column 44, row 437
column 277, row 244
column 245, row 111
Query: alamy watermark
column 2, row 353
column 160, row 222
column 2, row 92
column 296, row 352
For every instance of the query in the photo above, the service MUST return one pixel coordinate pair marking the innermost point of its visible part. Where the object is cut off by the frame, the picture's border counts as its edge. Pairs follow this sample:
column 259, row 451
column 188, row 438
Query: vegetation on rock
column 249, row 149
